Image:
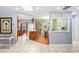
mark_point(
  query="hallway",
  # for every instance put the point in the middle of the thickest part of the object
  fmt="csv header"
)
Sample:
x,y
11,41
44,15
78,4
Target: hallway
x,y
28,46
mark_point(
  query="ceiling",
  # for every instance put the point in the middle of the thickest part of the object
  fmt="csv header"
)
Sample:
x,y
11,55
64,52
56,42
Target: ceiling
x,y
39,11
42,11
7,8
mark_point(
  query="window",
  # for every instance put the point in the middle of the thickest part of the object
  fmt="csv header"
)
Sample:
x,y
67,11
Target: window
x,y
60,24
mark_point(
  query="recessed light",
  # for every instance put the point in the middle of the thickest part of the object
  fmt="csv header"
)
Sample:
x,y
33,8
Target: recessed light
x,y
37,8
77,8
27,8
58,8
17,7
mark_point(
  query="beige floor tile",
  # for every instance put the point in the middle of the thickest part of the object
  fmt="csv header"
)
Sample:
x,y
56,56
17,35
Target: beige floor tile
x,y
28,46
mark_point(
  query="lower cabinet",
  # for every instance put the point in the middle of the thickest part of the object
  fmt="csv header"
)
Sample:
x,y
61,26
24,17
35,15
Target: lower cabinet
x,y
33,35
20,32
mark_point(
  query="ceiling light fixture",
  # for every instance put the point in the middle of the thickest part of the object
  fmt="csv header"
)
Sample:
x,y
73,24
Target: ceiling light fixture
x,y
27,8
77,8
37,8
58,8
17,7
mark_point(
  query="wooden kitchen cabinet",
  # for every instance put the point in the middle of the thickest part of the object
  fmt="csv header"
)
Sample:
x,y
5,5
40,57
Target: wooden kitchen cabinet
x,y
33,35
19,33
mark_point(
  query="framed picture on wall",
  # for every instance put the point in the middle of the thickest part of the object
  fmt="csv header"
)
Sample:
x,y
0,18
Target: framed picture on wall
x,y
6,25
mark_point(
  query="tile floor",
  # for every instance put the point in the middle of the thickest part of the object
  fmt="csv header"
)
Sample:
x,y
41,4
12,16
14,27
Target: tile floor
x,y
28,46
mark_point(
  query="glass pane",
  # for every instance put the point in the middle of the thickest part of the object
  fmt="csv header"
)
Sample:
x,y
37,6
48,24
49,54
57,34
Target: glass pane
x,y
54,24
60,24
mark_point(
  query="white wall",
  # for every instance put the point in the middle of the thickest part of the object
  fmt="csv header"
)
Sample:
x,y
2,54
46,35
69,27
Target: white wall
x,y
24,16
75,25
76,19
9,13
42,17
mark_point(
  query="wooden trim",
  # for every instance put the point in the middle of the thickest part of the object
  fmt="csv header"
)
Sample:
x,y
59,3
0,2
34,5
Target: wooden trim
x,y
11,24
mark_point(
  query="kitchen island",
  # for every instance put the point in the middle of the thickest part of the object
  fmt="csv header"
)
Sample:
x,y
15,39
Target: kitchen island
x,y
33,35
